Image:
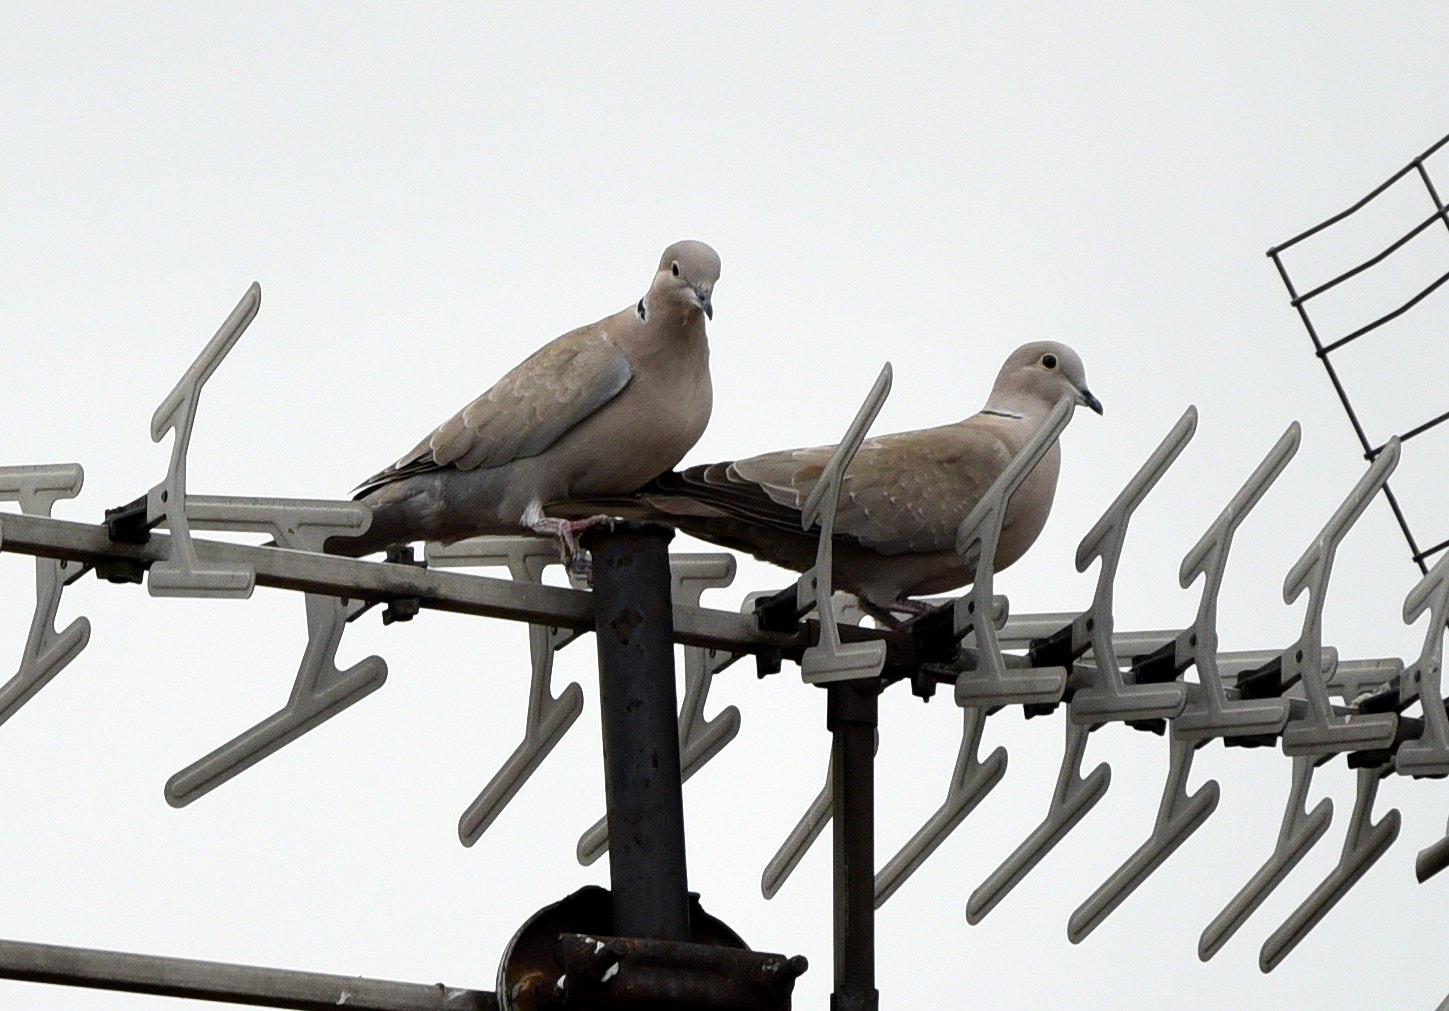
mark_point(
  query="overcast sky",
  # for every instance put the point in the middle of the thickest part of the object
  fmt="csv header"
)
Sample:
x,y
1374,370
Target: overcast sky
x,y
426,193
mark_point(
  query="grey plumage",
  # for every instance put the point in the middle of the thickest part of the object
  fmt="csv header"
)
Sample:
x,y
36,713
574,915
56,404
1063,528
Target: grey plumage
x,y
596,412
902,498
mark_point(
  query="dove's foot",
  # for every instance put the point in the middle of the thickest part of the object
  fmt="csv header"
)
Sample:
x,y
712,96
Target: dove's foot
x,y
571,553
882,614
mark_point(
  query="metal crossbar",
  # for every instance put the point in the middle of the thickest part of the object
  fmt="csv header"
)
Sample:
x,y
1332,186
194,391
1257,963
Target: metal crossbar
x,y
1326,345
1301,697
226,982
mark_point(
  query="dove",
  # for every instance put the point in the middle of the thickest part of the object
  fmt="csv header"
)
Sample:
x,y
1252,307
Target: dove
x,y
596,412
902,497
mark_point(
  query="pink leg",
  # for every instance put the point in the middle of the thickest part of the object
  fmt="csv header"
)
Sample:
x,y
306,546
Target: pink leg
x,y
883,614
567,532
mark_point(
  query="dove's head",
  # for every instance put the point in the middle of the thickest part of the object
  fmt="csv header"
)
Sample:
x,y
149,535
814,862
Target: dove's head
x,y
1039,374
685,279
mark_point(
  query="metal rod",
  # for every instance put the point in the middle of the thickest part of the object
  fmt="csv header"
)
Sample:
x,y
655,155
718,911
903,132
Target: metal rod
x,y
1371,261
225,982
1323,354
852,712
638,706
334,576
1356,207
1388,316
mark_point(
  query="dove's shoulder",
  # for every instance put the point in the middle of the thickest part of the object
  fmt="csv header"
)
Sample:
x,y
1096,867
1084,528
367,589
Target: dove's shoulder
x,y
908,491
526,411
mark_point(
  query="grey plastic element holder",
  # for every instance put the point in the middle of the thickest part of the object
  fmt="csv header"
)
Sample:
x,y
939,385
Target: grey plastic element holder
x,y
971,780
990,684
1073,796
1019,631
1105,696
700,739
1363,844
818,814
37,488
1299,831
321,690
182,575
1109,697
832,660
548,717
1178,816
1321,731
1210,713
1429,755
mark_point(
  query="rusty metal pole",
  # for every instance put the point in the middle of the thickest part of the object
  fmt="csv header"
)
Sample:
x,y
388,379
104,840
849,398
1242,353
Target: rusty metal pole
x,y
634,621
852,713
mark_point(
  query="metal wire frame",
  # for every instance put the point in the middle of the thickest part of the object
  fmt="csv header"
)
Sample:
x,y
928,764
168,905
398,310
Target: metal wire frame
x,y
1324,350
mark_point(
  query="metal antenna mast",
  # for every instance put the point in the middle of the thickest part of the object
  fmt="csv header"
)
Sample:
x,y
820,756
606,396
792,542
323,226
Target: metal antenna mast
x,y
646,941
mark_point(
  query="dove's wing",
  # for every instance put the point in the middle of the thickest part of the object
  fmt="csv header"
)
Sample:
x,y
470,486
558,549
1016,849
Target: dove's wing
x,y
902,493
526,411
902,497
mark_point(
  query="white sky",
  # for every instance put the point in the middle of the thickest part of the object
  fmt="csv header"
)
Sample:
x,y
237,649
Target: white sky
x,y
428,192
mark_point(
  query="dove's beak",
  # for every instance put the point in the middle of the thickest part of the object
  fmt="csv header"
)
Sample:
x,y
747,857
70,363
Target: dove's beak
x,y
1085,398
704,302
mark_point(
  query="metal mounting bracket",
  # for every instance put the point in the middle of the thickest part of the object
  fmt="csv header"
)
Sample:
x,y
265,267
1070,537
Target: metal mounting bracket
x,y
700,739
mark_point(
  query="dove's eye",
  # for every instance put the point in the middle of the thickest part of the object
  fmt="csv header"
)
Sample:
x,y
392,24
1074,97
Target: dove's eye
x,y
674,268
1049,361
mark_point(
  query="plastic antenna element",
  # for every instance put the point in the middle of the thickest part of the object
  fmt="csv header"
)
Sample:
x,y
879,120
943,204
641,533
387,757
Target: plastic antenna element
x,y
971,780
1105,696
700,739
321,690
1299,831
1428,755
1108,697
1362,846
548,717
818,814
1072,798
46,650
1178,816
831,660
990,684
182,575
1210,713
1322,732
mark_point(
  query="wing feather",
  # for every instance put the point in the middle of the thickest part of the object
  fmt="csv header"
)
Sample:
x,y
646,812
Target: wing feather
x,y
525,412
